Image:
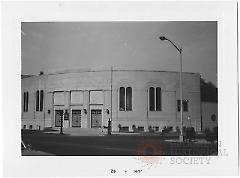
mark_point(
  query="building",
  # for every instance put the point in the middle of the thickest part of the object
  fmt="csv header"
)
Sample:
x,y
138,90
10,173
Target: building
x,y
90,98
209,115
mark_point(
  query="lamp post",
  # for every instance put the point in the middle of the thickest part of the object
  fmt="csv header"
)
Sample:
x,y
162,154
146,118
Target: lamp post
x,y
163,38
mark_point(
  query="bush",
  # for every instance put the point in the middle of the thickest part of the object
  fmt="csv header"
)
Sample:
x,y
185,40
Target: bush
x,y
134,128
167,129
189,133
211,136
178,129
120,127
150,128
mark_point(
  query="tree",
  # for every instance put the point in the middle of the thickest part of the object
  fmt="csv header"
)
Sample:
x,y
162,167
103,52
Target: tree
x,y
209,92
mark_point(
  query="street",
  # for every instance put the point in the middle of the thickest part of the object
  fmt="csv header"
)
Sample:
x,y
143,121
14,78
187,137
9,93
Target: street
x,y
114,145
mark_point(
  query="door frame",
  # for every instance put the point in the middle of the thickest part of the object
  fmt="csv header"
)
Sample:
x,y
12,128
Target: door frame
x,y
57,109
81,117
96,106
76,107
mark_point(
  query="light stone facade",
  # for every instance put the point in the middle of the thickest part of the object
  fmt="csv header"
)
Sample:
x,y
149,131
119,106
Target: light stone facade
x,y
85,92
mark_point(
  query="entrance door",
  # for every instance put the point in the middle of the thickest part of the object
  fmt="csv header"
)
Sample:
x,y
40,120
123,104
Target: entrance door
x,y
58,117
96,118
76,118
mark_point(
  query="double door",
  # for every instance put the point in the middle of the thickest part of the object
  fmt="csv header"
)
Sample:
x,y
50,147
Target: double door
x,y
58,117
96,118
76,118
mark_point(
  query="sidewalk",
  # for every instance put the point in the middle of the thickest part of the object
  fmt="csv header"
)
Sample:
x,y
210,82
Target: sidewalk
x,y
80,131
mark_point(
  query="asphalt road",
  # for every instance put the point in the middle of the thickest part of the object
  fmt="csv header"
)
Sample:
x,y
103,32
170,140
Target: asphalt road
x,y
64,145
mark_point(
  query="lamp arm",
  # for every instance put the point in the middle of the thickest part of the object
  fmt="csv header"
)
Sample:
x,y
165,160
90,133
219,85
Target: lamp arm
x,y
179,49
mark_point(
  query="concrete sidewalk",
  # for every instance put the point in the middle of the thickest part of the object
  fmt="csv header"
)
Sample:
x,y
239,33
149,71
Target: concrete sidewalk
x,y
80,131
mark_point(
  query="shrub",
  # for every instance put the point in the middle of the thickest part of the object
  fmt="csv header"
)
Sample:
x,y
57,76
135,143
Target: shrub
x,y
177,129
207,131
167,129
190,133
120,127
134,128
211,136
150,129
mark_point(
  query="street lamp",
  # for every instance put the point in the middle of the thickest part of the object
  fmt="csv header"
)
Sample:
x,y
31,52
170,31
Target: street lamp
x,y
163,38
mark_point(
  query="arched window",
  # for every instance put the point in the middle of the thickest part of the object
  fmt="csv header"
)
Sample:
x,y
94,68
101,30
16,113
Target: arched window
x,y
129,99
122,99
158,99
151,99
41,100
125,99
25,102
37,100
155,99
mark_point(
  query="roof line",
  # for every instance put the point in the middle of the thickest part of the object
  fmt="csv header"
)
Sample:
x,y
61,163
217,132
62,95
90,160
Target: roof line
x,y
108,70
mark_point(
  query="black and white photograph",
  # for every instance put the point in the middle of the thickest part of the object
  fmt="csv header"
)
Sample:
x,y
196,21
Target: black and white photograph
x,y
120,89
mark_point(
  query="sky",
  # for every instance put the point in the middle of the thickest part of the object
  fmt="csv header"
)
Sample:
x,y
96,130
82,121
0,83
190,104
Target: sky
x,y
50,46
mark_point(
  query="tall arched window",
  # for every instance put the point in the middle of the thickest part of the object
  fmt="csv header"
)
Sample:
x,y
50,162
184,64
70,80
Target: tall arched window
x,y
41,100
155,99
151,99
158,99
125,99
129,99
37,100
25,102
122,99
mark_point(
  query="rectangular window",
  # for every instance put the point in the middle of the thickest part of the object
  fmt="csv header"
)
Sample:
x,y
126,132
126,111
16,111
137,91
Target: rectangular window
x,y
41,100
37,100
58,98
185,105
96,97
141,129
77,97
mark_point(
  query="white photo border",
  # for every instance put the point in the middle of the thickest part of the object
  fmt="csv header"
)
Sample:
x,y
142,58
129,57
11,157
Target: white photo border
x,y
225,13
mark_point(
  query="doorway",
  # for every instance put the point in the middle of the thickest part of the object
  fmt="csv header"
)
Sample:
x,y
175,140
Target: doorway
x,y
76,118
96,118
58,117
